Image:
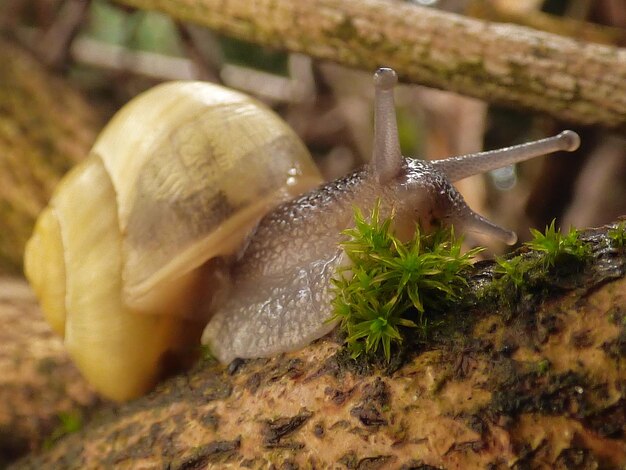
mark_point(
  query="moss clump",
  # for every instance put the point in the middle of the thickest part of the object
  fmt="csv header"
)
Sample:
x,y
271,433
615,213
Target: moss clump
x,y
617,235
557,247
391,284
69,423
205,353
529,272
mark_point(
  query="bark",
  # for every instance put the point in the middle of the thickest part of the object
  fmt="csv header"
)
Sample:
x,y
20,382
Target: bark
x,y
38,383
505,64
45,128
535,383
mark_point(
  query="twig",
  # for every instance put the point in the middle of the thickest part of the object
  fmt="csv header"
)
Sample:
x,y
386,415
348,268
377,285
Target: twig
x,y
55,41
150,64
505,64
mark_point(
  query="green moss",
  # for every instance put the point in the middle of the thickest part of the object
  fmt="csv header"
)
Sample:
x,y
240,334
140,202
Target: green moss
x,y
514,269
391,285
556,247
617,235
529,272
543,366
69,423
205,353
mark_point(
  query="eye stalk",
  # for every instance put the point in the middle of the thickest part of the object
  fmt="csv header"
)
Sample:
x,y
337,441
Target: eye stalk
x,y
457,168
571,140
388,164
387,160
385,78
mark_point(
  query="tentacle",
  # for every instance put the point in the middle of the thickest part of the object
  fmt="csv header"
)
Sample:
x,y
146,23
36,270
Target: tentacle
x,y
457,168
471,221
387,160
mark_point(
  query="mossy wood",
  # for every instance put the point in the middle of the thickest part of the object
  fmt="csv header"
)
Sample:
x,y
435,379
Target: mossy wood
x,y
538,381
584,83
45,128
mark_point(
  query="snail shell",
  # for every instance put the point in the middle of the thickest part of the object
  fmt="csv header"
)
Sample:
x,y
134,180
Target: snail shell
x,y
178,177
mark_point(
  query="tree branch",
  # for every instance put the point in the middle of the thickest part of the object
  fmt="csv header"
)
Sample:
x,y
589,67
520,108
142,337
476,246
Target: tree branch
x,y
45,128
541,384
38,382
505,64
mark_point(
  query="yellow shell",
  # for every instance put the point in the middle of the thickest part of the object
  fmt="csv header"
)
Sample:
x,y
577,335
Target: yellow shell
x,y
179,176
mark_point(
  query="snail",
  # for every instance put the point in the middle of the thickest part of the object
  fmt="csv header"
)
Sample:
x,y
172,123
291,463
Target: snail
x,y
178,177
198,206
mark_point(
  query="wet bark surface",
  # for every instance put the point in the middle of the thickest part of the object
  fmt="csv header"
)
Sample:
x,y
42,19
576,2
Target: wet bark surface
x,y
39,386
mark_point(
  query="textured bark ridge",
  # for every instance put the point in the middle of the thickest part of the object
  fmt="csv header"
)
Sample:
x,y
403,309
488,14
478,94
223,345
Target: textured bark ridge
x,y
38,383
537,384
581,82
45,128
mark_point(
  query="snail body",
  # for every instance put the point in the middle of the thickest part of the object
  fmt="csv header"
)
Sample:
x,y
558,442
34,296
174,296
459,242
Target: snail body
x,y
257,269
283,278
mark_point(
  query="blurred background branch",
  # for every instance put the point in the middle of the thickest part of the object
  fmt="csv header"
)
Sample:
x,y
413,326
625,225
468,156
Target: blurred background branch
x,y
505,64
45,128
